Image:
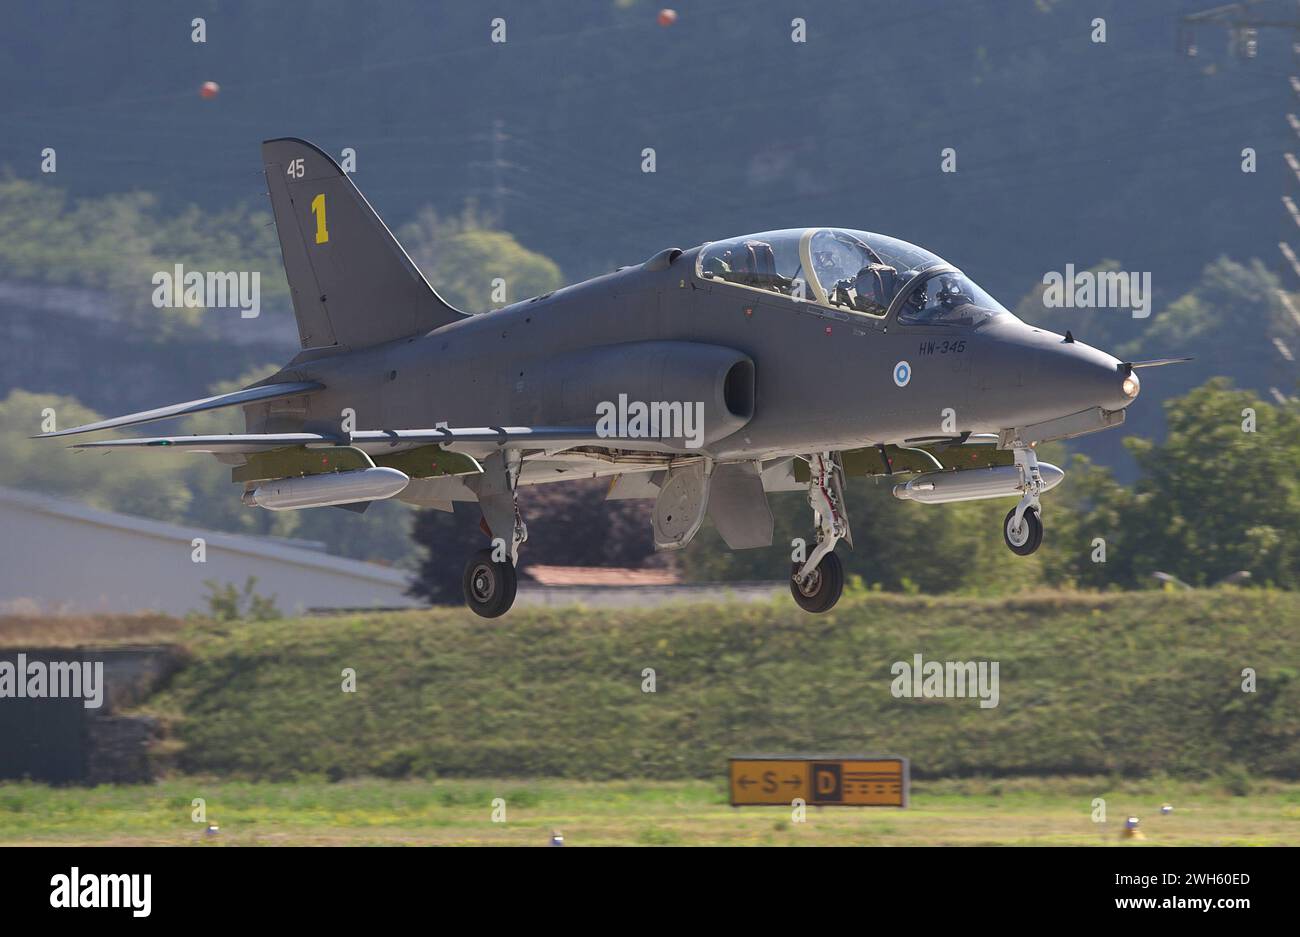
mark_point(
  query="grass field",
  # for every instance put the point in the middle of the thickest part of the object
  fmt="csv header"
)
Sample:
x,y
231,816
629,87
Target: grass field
x,y
660,813
1136,698
1124,684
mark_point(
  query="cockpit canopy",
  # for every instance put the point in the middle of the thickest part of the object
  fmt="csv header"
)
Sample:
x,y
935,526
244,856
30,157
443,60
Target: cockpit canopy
x,y
855,271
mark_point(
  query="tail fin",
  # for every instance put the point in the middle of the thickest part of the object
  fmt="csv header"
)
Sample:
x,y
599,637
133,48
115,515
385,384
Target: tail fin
x,y
352,283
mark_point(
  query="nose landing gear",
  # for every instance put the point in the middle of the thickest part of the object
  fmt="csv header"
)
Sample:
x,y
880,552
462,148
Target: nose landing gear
x,y
1023,527
818,582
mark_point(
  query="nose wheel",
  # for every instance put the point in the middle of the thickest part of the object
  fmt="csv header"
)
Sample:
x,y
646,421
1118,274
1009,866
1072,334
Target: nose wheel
x,y
489,586
1024,536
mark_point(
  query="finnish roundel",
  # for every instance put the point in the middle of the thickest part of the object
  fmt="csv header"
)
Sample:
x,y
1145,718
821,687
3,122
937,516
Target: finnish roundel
x,y
902,373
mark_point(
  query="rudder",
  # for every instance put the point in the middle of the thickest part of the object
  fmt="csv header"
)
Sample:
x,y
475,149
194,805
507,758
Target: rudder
x,y
352,283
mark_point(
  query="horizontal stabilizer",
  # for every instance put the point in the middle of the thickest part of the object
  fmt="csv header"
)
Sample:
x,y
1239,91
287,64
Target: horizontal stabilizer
x,y
234,399
539,437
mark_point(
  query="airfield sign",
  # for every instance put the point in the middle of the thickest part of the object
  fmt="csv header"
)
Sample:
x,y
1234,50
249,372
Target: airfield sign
x,y
855,781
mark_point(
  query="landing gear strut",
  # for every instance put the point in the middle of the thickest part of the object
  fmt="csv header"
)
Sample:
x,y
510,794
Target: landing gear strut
x,y
490,582
1023,527
818,582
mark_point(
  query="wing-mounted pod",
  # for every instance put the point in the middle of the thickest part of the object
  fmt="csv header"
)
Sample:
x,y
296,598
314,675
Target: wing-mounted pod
x,y
964,469
685,394
1002,481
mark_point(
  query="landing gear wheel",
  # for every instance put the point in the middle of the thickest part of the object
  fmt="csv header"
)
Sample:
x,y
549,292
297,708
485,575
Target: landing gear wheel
x,y
489,586
1025,539
823,588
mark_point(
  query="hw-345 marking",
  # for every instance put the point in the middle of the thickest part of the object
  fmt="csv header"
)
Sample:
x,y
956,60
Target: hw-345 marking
x,y
932,347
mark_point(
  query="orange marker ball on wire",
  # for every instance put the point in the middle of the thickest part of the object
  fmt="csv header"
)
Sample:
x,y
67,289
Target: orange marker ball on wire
x,y
667,16
209,90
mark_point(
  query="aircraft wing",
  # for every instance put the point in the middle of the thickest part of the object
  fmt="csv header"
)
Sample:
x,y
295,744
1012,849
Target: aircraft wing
x,y
537,437
233,399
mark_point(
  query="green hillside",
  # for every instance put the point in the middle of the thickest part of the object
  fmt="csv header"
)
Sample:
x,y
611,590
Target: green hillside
x,y
1118,684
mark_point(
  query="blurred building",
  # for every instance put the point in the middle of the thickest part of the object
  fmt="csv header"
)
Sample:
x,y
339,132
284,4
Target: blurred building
x,y
61,557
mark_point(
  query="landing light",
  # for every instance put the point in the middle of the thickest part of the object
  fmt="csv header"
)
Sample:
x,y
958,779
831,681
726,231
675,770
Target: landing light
x,y
1131,386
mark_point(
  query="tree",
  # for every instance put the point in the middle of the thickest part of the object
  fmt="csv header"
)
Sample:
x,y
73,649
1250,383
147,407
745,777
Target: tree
x,y
1214,499
118,242
462,258
133,482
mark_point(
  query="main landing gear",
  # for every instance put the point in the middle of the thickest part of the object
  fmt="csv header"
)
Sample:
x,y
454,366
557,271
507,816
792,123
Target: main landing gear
x,y
818,582
821,589
1023,527
489,586
490,581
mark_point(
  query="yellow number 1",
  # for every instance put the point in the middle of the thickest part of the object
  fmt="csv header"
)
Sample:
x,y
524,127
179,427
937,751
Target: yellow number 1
x,y
318,209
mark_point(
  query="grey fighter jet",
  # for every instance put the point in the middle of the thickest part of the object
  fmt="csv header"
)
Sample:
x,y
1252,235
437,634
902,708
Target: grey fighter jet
x,y
701,379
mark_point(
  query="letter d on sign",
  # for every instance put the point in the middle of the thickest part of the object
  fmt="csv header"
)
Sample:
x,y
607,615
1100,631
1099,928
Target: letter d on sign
x,y
826,783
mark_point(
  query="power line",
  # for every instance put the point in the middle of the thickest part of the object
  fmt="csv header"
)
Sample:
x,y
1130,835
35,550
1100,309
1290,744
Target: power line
x,y
1243,20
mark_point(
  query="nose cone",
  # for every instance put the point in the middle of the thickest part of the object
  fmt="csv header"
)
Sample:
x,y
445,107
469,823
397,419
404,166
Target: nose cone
x,y
1080,376
1055,376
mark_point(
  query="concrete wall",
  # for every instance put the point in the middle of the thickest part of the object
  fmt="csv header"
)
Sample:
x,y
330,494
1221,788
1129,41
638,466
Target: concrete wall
x,y
61,741
59,557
